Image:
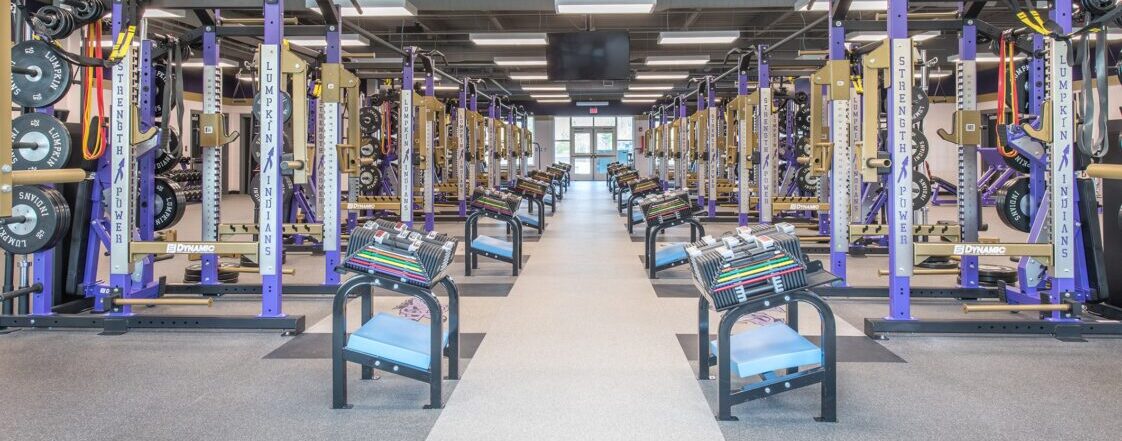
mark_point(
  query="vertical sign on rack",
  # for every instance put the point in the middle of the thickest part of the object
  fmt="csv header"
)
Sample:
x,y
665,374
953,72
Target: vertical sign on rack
x,y
427,174
901,255
768,149
711,153
1062,160
461,149
839,189
121,218
405,138
269,213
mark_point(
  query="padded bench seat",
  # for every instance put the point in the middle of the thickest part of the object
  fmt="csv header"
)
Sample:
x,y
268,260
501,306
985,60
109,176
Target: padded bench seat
x,y
527,219
636,216
499,247
399,339
769,348
670,253
548,199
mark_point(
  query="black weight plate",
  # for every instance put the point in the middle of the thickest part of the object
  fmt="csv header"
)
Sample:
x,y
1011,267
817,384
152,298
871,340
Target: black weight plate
x,y
921,191
369,178
801,98
167,158
806,182
168,204
49,134
937,262
921,103
1020,162
1012,202
366,150
255,188
997,273
193,273
802,146
88,10
51,77
369,119
159,84
286,106
47,218
920,148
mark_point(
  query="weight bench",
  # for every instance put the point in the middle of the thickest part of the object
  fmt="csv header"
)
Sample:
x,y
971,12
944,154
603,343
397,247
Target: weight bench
x,y
395,344
670,256
529,219
488,246
777,354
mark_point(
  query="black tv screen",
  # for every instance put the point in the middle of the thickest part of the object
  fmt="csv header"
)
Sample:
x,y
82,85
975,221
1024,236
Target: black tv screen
x,y
600,55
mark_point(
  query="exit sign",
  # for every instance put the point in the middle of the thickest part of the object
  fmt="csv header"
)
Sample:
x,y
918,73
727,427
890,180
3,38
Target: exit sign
x,y
593,110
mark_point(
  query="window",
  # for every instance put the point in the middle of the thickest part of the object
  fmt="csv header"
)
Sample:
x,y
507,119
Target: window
x,y
582,121
604,121
626,128
561,128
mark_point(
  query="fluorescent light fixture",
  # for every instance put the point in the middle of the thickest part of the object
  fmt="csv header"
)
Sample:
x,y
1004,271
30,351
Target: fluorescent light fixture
x,y
810,57
677,60
445,88
637,101
1112,36
566,101
199,63
508,38
650,87
528,76
698,37
935,74
641,95
520,61
584,7
344,40
370,8
661,76
543,88
245,76
421,78
869,36
983,58
549,96
856,5
164,13
592,103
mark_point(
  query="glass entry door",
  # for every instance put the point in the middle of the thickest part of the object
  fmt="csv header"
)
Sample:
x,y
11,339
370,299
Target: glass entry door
x,y
593,149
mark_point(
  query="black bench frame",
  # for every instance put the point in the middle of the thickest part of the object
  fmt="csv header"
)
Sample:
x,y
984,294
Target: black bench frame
x,y
649,249
433,375
471,231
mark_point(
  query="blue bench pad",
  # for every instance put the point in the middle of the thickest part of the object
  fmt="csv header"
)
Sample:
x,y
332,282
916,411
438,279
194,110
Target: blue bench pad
x,y
528,219
491,245
769,348
670,253
399,339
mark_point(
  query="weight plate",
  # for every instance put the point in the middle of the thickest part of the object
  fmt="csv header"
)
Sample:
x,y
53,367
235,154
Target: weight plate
x,y
920,148
921,103
807,183
369,119
1020,162
286,106
193,273
937,262
255,188
169,203
997,273
369,178
366,150
801,98
802,146
46,219
88,10
167,158
1012,202
921,190
52,140
159,82
54,22
50,77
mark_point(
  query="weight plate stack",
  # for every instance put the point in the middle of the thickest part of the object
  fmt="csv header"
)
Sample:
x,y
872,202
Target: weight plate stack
x,y
46,219
48,79
993,275
1012,203
193,273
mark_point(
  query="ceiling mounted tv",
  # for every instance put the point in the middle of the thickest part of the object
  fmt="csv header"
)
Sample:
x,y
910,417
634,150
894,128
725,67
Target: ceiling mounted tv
x,y
599,55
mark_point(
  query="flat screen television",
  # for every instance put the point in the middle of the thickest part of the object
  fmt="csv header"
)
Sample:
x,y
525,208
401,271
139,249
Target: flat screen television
x,y
597,55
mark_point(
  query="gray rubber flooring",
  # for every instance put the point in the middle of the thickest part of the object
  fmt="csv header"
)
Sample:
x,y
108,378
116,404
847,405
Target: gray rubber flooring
x,y
581,346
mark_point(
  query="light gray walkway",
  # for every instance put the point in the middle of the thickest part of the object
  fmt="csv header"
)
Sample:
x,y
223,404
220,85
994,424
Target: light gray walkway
x,y
581,349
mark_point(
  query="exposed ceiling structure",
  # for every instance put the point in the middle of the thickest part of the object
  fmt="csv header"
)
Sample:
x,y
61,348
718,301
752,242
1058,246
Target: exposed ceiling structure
x,y
446,25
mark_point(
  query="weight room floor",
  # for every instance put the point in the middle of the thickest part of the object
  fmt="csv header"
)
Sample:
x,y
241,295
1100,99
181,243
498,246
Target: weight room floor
x,y
581,346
